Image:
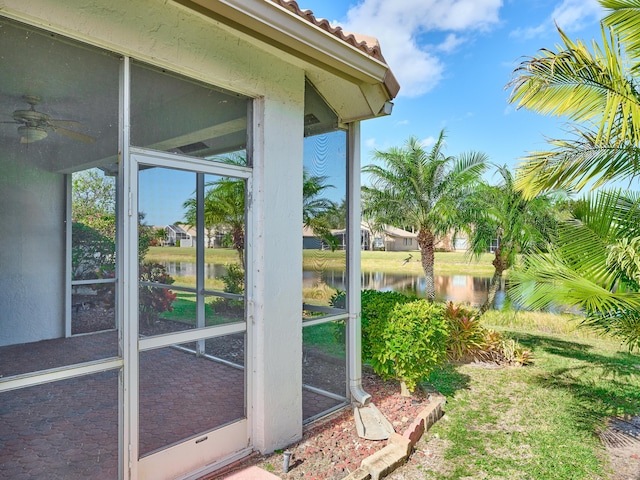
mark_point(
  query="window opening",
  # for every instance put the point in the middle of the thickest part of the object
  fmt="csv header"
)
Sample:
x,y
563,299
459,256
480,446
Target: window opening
x,y
175,114
324,273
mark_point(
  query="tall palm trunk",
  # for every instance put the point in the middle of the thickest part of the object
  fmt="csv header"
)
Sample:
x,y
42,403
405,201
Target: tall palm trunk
x,y
500,265
426,241
237,234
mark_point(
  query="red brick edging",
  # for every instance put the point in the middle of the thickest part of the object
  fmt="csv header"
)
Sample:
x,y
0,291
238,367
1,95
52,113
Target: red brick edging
x,y
399,447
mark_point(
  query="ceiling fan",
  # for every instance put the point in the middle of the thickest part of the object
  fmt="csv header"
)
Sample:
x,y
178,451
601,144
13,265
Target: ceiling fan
x,y
35,126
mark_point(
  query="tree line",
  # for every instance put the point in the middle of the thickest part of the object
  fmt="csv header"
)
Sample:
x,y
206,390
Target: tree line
x,y
580,253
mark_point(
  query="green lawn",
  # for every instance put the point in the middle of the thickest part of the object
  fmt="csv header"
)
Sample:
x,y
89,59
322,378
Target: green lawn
x,y
539,421
327,337
184,310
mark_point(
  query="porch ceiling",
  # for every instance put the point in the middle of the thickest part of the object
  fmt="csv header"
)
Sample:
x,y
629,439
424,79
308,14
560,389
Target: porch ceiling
x,y
39,67
351,74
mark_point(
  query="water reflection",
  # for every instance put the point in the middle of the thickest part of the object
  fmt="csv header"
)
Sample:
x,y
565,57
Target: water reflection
x,y
457,288
187,269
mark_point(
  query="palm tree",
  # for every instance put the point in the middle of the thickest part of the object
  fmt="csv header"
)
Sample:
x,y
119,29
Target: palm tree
x,y
316,208
501,213
223,208
595,88
594,266
421,189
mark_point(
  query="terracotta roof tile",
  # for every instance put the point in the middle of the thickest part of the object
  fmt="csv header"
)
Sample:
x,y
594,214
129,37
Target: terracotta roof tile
x,y
364,43
368,45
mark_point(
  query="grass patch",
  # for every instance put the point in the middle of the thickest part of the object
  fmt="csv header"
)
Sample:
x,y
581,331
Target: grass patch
x,y
184,311
450,263
319,294
564,324
188,255
323,337
538,421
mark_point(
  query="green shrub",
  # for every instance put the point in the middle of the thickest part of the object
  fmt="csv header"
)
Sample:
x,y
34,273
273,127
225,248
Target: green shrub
x,y
92,253
411,343
376,307
339,300
233,281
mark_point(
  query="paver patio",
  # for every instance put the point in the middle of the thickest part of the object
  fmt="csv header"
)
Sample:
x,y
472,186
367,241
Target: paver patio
x,y
69,429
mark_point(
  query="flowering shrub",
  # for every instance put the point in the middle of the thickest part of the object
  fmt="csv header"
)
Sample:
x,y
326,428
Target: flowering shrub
x,y
154,300
466,334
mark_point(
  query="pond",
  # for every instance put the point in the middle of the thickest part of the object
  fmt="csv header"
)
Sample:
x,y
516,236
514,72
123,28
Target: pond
x,y
457,288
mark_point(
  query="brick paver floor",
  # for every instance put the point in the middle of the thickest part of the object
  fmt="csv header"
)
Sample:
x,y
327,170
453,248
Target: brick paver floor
x,y
69,429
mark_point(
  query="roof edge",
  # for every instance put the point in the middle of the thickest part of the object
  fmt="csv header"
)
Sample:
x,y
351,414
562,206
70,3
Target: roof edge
x,y
284,25
367,44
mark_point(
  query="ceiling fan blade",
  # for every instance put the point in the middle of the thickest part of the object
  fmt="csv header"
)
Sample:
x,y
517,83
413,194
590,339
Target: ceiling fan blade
x,y
74,135
64,123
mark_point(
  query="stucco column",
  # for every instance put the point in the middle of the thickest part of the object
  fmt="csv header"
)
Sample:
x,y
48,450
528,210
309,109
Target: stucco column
x,y
276,326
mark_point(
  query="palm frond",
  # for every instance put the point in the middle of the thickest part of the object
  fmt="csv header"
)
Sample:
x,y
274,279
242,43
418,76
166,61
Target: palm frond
x,y
593,266
583,85
577,163
547,281
624,18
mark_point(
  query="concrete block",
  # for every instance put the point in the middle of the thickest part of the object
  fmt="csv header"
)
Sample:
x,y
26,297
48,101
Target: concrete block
x,y
359,474
431,414
401,441
371,423
384,461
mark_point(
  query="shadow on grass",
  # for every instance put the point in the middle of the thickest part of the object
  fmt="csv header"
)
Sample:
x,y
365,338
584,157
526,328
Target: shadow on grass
x,y
602,386
620,364
448,380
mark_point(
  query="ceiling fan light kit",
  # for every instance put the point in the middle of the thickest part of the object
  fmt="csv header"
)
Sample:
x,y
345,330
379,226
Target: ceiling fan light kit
x,y
34,125
31,134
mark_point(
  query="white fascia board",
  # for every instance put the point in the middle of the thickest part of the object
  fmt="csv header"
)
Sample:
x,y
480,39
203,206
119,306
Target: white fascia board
x,y
279,27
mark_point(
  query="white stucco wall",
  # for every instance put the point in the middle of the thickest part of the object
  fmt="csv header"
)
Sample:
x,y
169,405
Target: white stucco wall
x,y
32,253
278,326
167,35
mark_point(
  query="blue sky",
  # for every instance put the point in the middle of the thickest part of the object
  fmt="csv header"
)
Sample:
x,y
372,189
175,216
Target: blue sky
x,y
453,59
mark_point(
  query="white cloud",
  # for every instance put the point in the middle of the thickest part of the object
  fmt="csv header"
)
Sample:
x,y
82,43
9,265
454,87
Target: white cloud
x,y
370,143
399,24
569,15
573,15
427,142
451,43
531,32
